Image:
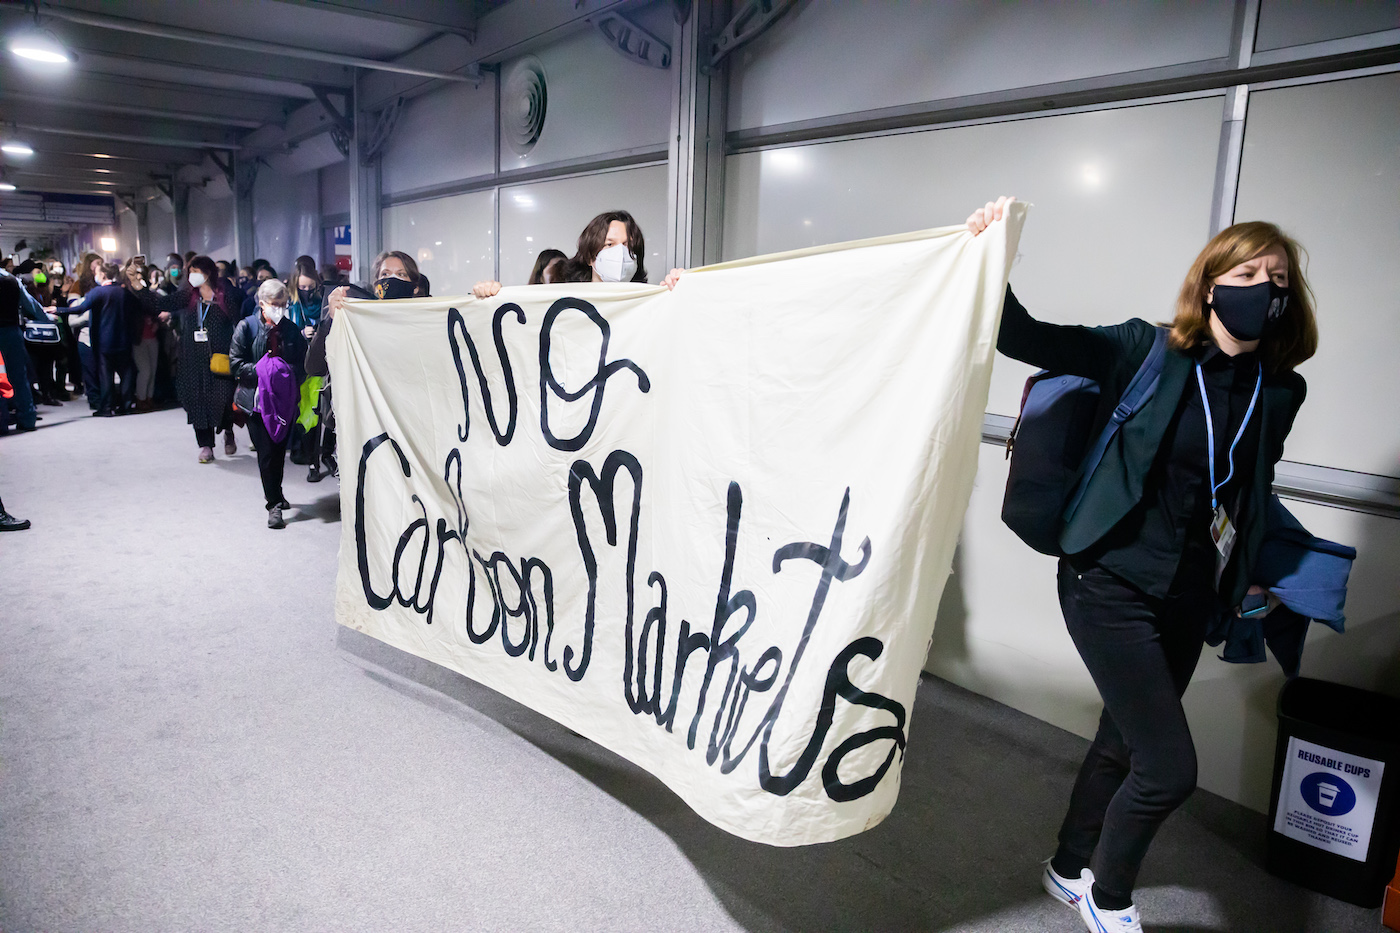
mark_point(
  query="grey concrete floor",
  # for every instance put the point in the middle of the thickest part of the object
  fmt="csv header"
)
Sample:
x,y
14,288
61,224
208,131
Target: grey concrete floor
x,y
189,742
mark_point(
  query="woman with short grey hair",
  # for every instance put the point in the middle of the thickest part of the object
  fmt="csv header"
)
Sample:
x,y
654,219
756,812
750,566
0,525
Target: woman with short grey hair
x,y
268,391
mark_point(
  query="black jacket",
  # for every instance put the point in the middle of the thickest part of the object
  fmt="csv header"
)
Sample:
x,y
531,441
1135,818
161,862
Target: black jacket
x,y
316,353
250,345
1111,356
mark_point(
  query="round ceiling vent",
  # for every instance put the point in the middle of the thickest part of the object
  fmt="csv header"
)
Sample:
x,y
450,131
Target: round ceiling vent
x,y
524,96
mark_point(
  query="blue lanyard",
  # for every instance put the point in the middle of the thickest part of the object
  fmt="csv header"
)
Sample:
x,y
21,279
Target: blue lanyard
x,y
1210,432
204,307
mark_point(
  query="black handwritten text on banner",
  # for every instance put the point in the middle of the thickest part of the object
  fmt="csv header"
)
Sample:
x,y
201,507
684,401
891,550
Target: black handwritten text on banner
x,y
706,528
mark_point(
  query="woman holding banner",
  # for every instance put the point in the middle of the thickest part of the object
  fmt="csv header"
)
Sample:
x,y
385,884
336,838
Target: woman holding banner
x,y
1137,599
610,249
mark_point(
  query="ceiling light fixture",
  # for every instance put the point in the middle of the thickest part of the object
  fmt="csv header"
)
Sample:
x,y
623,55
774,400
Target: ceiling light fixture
x,y
40,45
17,149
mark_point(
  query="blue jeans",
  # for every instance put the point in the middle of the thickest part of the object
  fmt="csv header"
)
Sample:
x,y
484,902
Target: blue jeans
x,y
17,370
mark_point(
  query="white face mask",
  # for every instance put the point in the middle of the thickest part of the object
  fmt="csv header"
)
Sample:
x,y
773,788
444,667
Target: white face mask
x,y
197,279
615,264
274,314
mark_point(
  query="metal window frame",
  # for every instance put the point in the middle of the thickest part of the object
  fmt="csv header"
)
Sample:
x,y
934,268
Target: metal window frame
x,y
1233,78
1371,493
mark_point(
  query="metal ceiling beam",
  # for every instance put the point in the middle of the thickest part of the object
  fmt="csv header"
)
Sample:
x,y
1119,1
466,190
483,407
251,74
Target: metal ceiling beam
x,y
505,32
455,16
84,103
112,152
256,46
212,74
52,161
182,143
131,90
104,181
129,53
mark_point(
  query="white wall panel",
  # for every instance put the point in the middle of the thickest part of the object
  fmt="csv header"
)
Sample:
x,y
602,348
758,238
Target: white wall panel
x,y
1297,22
1323,162
551,214
160,233
1121,204
441,137
1000,633
598,102
829,57
286,218
127,239
451,238
211,226
334,181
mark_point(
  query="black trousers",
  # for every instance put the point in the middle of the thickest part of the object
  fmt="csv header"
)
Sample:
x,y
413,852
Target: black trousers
x,y
1141,652
109,367
272,459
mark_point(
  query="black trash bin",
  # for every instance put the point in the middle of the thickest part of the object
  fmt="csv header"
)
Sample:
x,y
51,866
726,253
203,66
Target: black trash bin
x,y
1334,815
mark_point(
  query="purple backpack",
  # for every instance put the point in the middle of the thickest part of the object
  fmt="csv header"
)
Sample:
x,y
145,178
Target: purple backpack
x,y
277,396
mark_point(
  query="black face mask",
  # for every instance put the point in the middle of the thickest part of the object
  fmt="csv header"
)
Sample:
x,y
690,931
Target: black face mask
x,y
1249,312
390,287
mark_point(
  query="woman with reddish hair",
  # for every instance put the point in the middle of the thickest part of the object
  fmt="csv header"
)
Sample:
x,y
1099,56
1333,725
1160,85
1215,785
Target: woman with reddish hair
x,y
1167,531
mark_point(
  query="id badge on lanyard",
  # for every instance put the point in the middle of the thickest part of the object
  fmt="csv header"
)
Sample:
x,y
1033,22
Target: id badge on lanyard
x,y
1222,529
202,335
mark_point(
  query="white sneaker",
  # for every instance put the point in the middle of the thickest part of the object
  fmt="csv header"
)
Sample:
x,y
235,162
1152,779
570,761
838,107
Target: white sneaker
x,y
1068,891
1100,920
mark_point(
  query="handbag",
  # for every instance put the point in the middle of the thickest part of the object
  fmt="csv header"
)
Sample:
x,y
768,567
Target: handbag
x,y
218,364
36,332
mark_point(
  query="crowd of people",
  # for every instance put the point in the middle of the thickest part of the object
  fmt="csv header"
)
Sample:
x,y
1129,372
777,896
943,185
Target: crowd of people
x,y
1157,565
230,345
136,336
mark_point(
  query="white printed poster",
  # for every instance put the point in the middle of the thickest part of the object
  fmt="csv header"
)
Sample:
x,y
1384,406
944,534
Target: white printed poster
x,y
1328,799
706,528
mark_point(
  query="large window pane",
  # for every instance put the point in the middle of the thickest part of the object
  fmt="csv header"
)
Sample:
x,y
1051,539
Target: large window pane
x,y
1323,161
451,238
1121,204
551,214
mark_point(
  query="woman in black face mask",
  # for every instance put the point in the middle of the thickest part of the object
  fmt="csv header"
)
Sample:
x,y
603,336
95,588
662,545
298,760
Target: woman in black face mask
x,y
395,276
1167,531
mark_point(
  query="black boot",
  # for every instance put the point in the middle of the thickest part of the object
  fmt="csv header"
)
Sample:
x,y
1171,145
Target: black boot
x,y
9,523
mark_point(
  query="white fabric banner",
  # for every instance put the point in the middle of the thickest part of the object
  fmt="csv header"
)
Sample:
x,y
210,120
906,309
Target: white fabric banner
x,y
707,529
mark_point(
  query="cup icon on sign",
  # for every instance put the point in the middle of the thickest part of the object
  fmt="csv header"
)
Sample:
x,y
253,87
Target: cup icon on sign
x,y
1327,794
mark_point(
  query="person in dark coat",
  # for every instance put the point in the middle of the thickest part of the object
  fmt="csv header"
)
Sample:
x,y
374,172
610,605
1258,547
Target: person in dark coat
x,y
110,335
268,332
1169,530
207,309
16,306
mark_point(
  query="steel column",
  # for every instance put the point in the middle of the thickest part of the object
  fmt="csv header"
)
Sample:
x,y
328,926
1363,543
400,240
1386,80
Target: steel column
x,y
180,206
366,229
244,176
695,208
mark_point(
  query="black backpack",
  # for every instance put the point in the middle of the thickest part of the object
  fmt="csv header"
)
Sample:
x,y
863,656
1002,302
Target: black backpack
x,y
1051,459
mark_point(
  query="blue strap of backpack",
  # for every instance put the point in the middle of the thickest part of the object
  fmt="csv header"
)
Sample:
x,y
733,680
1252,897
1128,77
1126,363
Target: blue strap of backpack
x,y
1139,390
